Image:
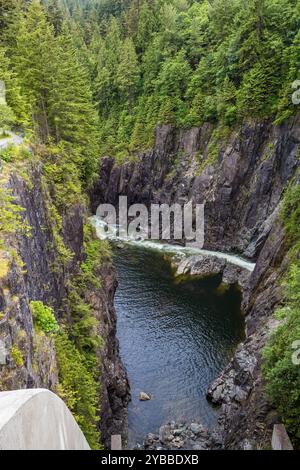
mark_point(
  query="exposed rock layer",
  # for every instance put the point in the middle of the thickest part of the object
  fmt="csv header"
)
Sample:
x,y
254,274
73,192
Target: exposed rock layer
x,y
205,266
45,277
242,191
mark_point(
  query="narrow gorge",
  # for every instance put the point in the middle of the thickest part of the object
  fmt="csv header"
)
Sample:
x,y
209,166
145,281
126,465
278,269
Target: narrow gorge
x,y
33,268
243,191
151,344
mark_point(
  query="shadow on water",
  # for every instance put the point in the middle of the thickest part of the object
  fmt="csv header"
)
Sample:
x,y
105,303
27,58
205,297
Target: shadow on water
x,y
174,340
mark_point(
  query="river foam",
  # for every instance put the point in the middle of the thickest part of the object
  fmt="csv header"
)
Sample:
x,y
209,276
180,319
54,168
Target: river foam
x,y
113,233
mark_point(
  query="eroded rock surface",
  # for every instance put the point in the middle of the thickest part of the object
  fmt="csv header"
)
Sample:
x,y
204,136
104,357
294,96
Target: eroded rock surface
x,y
205,267
242,191
174,436
27,358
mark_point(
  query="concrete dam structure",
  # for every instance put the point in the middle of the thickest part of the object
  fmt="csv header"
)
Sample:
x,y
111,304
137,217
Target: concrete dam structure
x,y
37,419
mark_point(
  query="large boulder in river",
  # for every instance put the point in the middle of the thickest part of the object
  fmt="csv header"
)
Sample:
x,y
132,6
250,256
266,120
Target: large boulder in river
x,y
201,265
143,396
207,266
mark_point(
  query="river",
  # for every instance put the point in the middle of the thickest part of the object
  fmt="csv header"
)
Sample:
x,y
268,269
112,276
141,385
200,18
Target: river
x,y
174,339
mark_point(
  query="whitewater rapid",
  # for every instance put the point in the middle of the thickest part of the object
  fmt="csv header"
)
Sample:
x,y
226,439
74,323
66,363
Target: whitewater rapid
x,y
114,233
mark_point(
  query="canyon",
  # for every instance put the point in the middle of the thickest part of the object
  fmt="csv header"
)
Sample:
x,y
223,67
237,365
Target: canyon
x,y
242,190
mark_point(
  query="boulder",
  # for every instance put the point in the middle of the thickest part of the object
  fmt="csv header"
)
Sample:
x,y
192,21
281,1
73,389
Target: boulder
x,y
143,396
165,434
201,265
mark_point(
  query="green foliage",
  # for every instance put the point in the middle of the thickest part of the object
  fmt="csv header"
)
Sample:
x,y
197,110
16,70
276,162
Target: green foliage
x,y
43,317
85,77
84,326
7,118
55,89
17,356
217,141
186,63
7,154
96,252
291,213
78,344
47,64
9,12
72,116
11,220
128,72
78,387
17,112
65,256
143,62
281,373
62,176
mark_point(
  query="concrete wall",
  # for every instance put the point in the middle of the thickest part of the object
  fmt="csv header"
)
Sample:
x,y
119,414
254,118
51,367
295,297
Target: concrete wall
x,y
280,438
37,420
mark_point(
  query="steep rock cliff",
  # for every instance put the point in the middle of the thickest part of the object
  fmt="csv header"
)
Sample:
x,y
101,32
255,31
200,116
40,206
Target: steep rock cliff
x,y
242,188
27,358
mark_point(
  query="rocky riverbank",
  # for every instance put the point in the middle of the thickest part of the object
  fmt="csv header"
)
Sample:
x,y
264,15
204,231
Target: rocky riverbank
x,y
246,418
180,436
210,267
242,190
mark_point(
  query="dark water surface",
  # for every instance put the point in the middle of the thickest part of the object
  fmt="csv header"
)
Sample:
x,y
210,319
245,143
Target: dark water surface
x,y
174,340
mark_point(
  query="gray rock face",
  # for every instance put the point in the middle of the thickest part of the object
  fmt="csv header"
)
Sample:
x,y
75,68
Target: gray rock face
x,y
27,360
174,436
198,429
246,416
114,382
234,382
204,267
242,193
30,360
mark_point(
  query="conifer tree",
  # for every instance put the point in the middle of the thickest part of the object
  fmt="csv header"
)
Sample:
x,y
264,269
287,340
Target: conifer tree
x,y
226,102
106,83
55,14
9,10
128,72
71,111
12,90
34,61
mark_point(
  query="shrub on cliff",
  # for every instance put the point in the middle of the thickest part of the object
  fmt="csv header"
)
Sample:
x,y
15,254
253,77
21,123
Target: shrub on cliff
x,y
78,388
281,366
11,220
7,118
78,345
43,317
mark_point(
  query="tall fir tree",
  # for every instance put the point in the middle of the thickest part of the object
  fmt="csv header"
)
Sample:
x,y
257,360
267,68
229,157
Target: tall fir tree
x,y
128,72
13,91
35,41
71,110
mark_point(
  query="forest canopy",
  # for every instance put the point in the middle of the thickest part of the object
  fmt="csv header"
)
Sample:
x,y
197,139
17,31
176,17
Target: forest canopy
x,y
136,63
